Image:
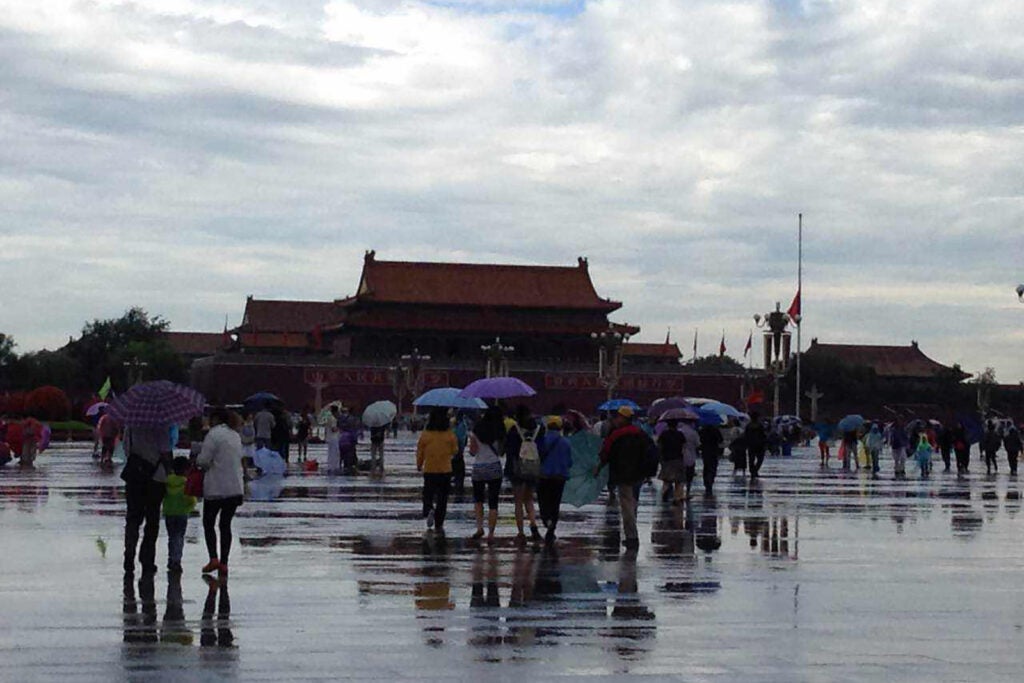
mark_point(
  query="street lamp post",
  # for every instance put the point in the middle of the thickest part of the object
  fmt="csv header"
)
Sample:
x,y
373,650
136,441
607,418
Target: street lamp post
x,y
497,354
407,377
135,369
609,358
776,346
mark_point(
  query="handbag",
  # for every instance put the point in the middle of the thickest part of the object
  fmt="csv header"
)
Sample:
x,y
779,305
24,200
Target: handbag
x,y
194,482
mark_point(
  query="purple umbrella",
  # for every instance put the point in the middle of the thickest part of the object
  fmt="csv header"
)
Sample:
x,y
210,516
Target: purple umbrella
x,y
498,387
156,403
686,414
663,405
95,408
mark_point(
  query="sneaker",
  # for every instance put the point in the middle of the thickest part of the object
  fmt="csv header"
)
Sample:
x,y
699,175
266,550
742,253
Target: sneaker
x,y
211,566
430,519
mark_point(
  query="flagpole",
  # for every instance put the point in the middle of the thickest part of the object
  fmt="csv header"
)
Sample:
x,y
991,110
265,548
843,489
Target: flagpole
x,y
800,293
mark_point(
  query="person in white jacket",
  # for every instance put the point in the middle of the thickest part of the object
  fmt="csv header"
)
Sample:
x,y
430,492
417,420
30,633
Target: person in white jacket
x,y
223,487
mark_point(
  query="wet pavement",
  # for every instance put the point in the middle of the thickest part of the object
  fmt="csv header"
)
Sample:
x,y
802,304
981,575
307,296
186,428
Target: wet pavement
x,y
804,576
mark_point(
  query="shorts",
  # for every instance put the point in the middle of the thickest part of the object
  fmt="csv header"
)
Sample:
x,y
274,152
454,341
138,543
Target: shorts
x,y
487,491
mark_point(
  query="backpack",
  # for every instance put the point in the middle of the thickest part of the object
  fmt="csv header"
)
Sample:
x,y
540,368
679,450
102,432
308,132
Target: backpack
x,y
528,465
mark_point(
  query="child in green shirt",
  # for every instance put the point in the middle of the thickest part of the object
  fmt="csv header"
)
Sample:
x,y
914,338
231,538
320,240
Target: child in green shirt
x,y
177,508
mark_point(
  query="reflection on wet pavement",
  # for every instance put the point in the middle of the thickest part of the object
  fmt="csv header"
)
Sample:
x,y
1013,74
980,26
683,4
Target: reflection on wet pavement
x,y
805,575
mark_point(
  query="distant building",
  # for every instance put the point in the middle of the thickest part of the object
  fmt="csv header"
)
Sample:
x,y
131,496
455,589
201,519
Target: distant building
x,y
194,345
887,362
351,348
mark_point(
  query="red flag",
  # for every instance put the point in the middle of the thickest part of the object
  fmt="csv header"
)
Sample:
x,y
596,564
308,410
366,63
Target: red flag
x,y
794,308
721,347
750,345
756,396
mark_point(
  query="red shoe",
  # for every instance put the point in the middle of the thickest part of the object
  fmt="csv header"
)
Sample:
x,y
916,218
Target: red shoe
x,y
212,566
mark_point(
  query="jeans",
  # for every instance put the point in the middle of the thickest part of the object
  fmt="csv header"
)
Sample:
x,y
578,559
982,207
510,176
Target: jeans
x,y
549,498
875,455
225,507
899,457
435,496
627,510
377,456
1011,457
176,527
991,462
143,498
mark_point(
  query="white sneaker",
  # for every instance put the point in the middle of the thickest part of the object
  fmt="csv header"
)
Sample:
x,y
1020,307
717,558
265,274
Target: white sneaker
x,y
430,519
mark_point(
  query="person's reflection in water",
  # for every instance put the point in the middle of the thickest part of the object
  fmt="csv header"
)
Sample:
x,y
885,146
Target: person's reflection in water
x,y
434,594
485,630
1012,500
522,594
174,629
611,535
547,588
216,630
140,625
708,539
630,611
671,532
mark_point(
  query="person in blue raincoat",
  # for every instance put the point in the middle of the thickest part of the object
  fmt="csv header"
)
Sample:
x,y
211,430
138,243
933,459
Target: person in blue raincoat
x,y
923,455
555,461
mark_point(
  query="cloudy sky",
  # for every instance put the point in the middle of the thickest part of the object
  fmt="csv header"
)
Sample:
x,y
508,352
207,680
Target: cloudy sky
x,y
180,154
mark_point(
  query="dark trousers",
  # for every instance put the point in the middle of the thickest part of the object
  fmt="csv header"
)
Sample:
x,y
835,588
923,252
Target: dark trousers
x,y
435,496
710,471
946,452
963,459
549,498
755,458
459,473
176,527
143,498
990,461
1011,457
225,508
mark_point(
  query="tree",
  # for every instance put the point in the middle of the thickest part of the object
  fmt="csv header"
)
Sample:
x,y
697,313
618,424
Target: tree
x,y
48,403
984,383
715,365
7,354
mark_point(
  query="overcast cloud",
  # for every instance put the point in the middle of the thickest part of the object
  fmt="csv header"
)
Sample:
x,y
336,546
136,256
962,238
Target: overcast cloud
x,y
180,154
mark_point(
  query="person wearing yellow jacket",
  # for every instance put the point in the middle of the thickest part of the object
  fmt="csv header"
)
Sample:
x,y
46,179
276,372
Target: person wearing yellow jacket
x,y
434,452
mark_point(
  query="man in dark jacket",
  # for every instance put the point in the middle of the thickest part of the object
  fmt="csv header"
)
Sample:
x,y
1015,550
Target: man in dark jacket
x,y
710,452
625,452
1012,444
756,440
991,443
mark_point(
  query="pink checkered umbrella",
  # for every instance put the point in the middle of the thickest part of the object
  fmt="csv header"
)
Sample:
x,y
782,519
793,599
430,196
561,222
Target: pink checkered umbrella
x,y
156,403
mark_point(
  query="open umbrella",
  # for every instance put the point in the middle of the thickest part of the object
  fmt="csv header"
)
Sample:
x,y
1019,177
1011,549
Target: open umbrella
x,y
498,387
663,405
269,462
448,397
723,409
379,414
711,417
156,403
95,408
262,399
685,414
850,423
616,403
583,487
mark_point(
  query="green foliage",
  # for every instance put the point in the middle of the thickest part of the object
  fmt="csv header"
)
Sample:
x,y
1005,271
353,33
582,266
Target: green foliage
x,y
7,354
715,365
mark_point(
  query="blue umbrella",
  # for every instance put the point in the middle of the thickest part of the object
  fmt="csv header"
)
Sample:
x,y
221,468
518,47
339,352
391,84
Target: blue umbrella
x,y
262,399
616,403
723,409
448,397
850,423
710,417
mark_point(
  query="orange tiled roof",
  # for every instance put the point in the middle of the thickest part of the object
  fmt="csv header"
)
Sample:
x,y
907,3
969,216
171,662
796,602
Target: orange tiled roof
x,y
195,343
662,350
886,361
468,284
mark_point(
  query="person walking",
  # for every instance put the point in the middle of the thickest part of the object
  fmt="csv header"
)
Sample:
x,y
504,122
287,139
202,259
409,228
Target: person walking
x,y
281,433
945,439
1012,444
264,422
990,444
522,469
962,449
824,432
145,481
738,454
485,443
710,451
923,454
177,508
435,449
873,443
303,432
107,429
670,451
849,453
556,461
756,441
690,450
625,454
223,488
332,436
377,435
899,443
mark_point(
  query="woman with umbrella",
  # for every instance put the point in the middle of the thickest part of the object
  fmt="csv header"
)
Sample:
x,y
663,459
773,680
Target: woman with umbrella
x,y
485,443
